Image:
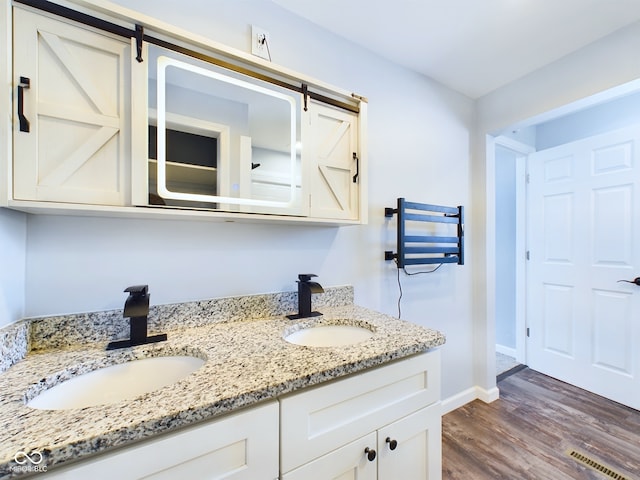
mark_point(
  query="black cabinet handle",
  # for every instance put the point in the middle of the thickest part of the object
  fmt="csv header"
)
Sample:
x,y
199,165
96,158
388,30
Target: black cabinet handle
x,y
393,444
25,83
139,39
371,454
635,280
355,177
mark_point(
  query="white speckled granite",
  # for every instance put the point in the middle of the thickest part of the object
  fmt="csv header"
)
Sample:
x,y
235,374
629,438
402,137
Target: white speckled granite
x,y
80,329
14,344
247,361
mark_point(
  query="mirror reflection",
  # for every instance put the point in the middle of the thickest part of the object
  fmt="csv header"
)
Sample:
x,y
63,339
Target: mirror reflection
x,y
221,140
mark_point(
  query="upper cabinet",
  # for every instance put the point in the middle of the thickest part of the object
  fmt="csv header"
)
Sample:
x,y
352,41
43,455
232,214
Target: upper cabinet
x,y
153,122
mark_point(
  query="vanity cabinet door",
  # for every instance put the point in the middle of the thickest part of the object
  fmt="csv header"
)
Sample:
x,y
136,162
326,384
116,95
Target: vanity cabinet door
x,y
349,462
331,152
71,132
411,448
238,446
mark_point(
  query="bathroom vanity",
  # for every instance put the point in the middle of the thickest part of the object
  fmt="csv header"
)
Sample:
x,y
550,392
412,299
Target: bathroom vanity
x,y
372,425
369,409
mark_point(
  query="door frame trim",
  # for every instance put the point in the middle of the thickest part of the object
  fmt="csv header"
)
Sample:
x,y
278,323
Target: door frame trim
x,y
522,151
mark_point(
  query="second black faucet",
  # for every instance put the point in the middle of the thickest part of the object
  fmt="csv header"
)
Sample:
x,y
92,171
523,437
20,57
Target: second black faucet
x,y
305,288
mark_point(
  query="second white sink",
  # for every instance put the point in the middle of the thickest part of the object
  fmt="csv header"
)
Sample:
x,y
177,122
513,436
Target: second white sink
x,y
329,336
117,382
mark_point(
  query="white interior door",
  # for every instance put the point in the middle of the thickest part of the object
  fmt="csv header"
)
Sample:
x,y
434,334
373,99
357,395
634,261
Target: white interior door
x,y
583,234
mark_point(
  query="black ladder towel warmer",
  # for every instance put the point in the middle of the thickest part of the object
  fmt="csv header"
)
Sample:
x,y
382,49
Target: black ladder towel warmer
x,y
417,249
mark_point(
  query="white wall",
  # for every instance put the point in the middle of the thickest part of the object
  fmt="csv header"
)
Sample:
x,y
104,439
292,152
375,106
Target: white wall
x,y
605,64
419,148
13,236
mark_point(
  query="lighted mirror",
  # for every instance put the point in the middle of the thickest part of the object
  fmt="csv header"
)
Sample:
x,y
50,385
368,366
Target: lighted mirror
x,y
219,139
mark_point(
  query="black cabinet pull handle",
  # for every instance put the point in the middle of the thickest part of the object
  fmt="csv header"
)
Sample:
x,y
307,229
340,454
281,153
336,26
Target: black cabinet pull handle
x,y
371,454
635,280
355,177
393,444
25,83
139,39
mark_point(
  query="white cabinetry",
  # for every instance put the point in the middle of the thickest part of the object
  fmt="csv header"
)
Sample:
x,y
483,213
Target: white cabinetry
x,y
336,428
346,463
239,446
417,453
384,423
284,147
408,449
72,131
81,112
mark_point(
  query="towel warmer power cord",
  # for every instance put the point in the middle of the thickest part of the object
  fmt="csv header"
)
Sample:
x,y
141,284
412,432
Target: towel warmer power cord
x,y
404,269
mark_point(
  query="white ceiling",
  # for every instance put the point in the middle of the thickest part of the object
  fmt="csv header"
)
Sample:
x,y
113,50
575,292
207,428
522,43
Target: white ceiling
x,y
472,46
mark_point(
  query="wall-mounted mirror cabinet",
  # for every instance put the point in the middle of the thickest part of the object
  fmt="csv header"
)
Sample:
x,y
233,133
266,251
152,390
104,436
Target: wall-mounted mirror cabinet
x,y
218,139
114,119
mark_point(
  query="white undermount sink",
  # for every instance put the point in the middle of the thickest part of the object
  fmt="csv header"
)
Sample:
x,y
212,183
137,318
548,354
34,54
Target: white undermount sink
x,y
117,382
329,335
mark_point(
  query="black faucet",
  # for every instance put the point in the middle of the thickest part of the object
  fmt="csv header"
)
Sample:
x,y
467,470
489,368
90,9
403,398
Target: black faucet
x,y
136,307
305,289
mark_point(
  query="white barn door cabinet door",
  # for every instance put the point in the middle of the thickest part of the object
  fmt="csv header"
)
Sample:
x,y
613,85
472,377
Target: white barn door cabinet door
x,y
77,146
332,152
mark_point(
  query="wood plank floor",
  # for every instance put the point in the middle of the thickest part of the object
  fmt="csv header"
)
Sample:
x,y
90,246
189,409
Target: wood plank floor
x,y
525,434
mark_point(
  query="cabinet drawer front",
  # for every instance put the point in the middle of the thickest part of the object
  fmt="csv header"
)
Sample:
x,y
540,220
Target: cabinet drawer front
x,y
242,445
321,419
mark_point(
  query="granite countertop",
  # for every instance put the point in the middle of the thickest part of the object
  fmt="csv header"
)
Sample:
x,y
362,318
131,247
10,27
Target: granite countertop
x,y
247,361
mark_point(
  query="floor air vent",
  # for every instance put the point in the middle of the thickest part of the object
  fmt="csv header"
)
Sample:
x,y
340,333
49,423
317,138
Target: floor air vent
x,y
591,463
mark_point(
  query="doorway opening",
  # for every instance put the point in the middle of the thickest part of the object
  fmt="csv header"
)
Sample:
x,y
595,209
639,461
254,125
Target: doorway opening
x,y
510,234
509,150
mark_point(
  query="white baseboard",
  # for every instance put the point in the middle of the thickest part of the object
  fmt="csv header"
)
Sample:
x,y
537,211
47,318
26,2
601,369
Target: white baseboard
x,y
506,350
469,395
458,400
488,396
